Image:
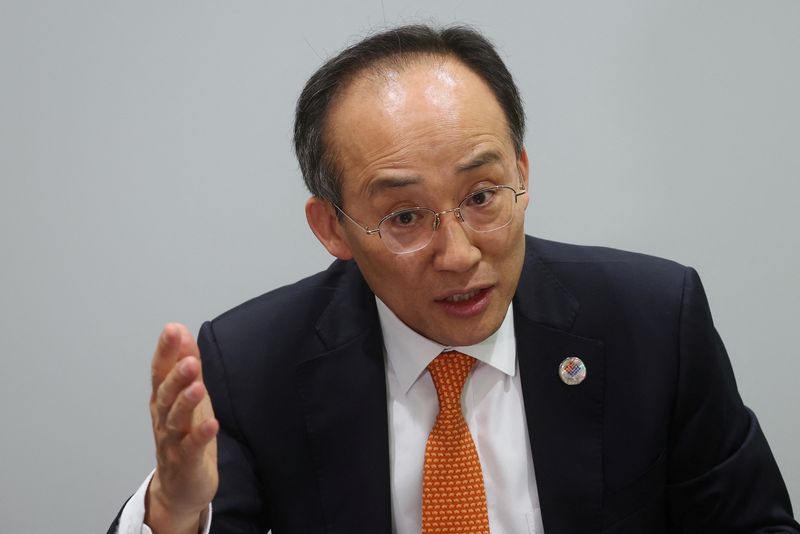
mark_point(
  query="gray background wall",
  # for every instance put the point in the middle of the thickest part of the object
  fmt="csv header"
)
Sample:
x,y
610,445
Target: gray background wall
x,y
145,157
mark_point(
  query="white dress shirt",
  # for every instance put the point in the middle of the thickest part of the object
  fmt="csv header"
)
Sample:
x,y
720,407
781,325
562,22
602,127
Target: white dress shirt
x,y
493,408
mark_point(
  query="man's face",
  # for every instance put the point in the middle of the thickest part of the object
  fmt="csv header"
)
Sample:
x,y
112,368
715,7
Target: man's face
x,y
428,135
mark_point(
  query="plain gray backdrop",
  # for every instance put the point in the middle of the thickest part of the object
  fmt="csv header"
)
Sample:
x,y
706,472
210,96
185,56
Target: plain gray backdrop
x,y
145,158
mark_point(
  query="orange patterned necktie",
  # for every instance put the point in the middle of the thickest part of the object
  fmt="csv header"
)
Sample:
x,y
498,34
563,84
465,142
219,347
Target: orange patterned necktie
x,y
453,495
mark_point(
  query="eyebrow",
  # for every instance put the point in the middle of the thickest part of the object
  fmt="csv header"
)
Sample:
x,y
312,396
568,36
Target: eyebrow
x,y
483,158
390,182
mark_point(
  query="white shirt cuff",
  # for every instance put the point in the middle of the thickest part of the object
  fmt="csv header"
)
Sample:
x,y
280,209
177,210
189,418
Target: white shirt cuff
x,y
131,520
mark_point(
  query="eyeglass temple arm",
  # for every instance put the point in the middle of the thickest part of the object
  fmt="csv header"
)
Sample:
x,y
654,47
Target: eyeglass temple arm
x,y
369,231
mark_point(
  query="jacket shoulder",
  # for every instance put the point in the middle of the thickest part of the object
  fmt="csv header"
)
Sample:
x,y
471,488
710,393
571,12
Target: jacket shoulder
x,y
283,323
580,265
300,301
554,252
613,287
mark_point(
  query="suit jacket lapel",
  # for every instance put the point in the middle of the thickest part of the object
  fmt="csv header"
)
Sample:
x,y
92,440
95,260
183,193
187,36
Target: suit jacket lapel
x,y
343,390
565,423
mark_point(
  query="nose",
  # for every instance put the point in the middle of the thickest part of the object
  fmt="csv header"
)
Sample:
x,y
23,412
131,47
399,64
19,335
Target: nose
x,y
453,249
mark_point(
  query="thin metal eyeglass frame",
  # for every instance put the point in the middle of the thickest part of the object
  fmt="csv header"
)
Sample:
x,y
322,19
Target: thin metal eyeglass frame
x,y
436,216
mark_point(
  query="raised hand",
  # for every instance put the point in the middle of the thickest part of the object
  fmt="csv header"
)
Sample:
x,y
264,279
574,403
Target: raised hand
x,y
185,432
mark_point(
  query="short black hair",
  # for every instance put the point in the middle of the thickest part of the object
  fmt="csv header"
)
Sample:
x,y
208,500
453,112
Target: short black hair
x,y
405,43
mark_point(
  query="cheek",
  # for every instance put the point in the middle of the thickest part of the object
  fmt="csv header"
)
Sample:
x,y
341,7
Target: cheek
x,y
502,245
506,256
409,283
395,275
408,270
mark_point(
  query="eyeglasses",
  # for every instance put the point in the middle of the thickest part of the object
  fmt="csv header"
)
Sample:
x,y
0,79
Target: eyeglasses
x,y
411,229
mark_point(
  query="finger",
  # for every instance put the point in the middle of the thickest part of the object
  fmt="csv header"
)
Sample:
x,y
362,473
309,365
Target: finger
x,y
201,435
184,373
187,345
181,415
166,354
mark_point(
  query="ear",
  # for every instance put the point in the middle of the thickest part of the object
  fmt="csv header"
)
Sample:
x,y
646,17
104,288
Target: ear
x,y
321,217
524,168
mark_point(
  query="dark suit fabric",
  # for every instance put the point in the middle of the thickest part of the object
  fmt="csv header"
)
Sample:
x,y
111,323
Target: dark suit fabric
x,y
656,439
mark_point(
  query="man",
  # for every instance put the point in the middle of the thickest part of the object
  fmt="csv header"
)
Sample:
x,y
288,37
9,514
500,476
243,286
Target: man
x,y
598,395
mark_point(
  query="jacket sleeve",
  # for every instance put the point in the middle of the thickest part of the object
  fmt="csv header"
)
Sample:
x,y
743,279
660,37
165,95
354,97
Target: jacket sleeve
x,y
239,505
722,474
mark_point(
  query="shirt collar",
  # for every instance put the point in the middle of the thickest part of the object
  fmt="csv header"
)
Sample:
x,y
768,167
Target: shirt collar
x,y
409,353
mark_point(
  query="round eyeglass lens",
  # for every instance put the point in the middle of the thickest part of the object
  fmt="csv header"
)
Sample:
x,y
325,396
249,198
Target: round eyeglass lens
x,y
488,209
407,230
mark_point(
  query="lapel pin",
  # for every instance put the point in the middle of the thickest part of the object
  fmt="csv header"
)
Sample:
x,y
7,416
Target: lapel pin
x,y
572,371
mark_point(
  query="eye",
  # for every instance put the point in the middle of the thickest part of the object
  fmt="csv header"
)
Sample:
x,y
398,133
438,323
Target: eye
x,y
404,219
480,198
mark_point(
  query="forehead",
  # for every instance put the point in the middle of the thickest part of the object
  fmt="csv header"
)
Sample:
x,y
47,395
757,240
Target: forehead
x,y
427,116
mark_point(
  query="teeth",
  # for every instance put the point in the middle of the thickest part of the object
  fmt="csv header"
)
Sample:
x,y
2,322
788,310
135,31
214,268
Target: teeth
x,y
462,297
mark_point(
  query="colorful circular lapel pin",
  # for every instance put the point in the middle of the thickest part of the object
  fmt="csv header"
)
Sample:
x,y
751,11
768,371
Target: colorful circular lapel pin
x,y
572,371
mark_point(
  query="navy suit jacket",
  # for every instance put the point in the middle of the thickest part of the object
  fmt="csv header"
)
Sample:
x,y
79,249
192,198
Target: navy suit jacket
x,y
656,438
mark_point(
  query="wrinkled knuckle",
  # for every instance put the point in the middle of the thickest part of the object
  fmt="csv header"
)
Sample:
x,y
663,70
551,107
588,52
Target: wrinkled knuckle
x,y
174,422
172,427
161,404
181,403
160,433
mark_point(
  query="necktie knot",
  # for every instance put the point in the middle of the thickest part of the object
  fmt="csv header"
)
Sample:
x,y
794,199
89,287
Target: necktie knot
x,y
449,372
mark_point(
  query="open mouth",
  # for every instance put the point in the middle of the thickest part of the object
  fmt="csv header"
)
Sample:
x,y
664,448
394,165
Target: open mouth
x,y
467,304
461,297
